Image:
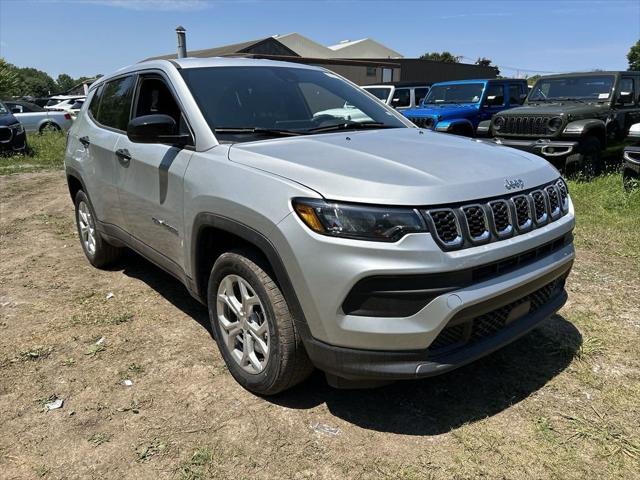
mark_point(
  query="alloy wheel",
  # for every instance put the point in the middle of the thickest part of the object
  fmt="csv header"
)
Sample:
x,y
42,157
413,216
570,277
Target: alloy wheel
x,y
243,323
87,228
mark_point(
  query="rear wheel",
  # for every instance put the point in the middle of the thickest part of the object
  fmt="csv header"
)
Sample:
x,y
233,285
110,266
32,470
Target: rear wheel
x,y
97,250
49,127
586,163
253,326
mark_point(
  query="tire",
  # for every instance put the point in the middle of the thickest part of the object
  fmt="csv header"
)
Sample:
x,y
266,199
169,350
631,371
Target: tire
x,y
264,320
49,127
99,253
586,163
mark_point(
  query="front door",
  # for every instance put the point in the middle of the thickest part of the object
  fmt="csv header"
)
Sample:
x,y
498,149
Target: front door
x,y
150,176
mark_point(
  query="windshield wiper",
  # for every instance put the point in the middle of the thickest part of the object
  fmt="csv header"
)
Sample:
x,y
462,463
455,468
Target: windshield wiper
x,y
570,99
349,125
258,131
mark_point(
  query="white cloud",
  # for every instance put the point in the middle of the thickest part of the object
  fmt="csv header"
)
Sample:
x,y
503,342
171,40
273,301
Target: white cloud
x,y
157,5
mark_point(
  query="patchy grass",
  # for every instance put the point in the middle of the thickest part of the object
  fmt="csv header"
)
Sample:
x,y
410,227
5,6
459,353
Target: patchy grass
x,y
608,217
36,353
560,403
47,152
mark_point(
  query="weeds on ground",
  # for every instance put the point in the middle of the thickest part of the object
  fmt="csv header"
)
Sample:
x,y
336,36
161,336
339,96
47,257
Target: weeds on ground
x,y
47,152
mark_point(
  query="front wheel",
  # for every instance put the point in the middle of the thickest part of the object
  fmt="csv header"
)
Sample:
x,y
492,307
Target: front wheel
x,y
586,163
253,326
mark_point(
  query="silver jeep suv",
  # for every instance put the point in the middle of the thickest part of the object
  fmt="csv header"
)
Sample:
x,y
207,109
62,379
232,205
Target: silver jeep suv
x,y
370,249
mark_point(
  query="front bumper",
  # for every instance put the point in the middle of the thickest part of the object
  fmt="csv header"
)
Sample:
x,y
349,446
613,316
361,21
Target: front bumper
x,y
481,333
550,149
13,143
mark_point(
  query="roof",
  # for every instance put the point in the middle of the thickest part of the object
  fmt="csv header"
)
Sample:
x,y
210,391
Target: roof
x,y
479,80
295,45
364,48
596,73
232,49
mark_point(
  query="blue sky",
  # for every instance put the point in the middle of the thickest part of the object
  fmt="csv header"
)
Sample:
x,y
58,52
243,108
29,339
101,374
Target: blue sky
x,y
84,37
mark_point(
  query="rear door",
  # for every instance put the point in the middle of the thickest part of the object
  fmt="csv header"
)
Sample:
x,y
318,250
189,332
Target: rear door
x,y
150,176
99,132
28,119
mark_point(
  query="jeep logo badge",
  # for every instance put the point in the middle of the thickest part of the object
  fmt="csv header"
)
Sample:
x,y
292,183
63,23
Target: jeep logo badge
x,y
516,183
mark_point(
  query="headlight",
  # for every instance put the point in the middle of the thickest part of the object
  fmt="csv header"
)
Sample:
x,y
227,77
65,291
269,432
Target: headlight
x,y
554,124
358,221
17,128
498,123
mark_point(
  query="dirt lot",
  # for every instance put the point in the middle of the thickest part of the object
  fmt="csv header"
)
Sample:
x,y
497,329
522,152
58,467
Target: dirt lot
x,y
564,402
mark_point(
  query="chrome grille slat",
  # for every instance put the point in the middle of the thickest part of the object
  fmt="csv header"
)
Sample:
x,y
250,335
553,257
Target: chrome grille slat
x,y
471,224
539,207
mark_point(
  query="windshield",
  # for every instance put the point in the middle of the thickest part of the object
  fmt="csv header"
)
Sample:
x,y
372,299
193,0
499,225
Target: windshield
x,y
461,93
3,109
381,92
588,87
287,100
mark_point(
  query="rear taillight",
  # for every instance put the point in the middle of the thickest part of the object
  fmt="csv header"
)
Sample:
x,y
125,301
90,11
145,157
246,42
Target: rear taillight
x,y
67,116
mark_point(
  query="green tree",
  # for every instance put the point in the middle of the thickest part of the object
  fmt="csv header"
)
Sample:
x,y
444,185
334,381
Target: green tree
x,y
446,57
532,79
36,82
9,80
634,56
64,82
486,62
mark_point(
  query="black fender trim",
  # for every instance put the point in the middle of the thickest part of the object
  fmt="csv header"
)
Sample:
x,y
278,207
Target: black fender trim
x,y
72,172
261,242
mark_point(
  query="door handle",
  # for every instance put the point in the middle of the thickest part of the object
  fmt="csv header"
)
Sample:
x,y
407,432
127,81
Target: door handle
x,y
123,156
84,141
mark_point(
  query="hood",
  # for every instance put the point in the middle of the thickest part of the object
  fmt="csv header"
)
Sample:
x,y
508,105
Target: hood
x,y
444,112
399,166
7,119
575,109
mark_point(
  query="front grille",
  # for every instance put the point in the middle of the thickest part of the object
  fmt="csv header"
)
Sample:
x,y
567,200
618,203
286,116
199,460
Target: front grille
x,y
5,134
446,226
554,200
497,219
501,217
423,122
486,325
521,125
476,223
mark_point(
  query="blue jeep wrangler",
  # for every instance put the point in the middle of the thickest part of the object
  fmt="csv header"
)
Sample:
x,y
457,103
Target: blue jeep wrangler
x,y
458,106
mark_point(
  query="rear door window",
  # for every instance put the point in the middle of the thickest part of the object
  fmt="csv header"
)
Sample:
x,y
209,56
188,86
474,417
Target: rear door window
x,y
515,90
115,105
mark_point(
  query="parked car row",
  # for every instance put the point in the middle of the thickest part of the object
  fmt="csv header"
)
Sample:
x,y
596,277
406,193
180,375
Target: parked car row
x,y
568,119
36,119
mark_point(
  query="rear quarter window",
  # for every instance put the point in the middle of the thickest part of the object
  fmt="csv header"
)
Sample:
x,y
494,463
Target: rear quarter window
x,y
115,104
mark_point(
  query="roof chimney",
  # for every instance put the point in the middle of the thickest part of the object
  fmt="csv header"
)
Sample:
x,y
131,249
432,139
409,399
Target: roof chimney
x,y
182,41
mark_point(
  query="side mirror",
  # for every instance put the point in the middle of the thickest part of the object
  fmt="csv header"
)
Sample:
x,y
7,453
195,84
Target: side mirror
x,y
156,128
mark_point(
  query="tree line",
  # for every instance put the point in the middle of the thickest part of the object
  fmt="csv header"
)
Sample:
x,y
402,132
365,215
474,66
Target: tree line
x,y
27,81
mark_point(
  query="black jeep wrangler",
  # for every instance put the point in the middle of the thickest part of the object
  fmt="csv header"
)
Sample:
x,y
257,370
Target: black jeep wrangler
x,y
571,119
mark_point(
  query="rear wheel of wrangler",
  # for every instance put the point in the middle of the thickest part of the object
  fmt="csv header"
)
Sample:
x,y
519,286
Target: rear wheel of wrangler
x,y
99,253
586,163
253,326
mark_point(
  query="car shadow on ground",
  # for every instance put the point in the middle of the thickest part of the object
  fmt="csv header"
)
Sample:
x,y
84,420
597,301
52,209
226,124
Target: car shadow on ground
x,y
429,406
135,266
